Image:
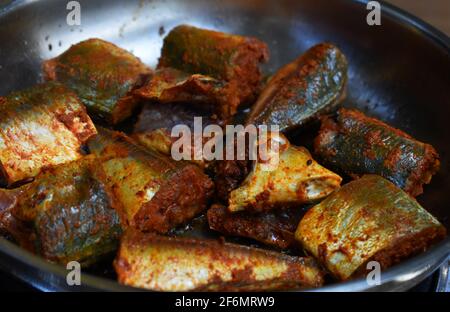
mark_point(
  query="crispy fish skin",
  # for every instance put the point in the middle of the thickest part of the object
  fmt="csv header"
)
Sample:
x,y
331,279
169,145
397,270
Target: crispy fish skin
x,y
69,213
103,76
297,179
43,126
275,228
153,192
181,264
311,85
369,219
355,144
232,58
169,85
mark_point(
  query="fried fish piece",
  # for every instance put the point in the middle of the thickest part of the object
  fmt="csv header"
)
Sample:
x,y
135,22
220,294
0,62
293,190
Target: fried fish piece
x,y
153,192
69,214
169,85
355,144
40,127
369,219
273,228
228,175
309,86
231,58
7,202
230,172
11,227
159,140
296,179
183,264
103,76
153,129
154,116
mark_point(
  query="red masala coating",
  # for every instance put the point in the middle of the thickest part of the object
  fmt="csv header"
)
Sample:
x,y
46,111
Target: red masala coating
x,y
405,248
355,144
229,174
169,85
367,219
310,86
40,127
103,76
7,201
10,226
232,58
164,263
153,192
183,196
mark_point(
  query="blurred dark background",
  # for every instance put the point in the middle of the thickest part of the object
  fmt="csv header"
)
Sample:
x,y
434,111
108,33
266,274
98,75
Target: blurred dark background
x,y
434,12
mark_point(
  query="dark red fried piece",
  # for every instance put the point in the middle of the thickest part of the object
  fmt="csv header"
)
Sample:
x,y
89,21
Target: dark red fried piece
x,y
274,228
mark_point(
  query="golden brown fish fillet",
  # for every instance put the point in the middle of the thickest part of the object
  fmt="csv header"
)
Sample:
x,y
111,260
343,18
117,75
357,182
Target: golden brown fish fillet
x,y
182,264
153,192
295,179
40,127
367,219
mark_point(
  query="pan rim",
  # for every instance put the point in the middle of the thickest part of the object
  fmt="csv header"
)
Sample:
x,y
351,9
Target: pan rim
x,y
395,276
412,268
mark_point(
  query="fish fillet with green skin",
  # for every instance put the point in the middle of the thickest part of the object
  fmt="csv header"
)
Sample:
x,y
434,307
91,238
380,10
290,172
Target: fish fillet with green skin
x,y
302,90
355,144
182,264
153,192
102,75
369,219
232,58
40,127
295,179
70,214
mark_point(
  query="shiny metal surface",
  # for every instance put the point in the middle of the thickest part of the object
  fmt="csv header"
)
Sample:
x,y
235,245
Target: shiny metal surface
x,y
398,72
444,277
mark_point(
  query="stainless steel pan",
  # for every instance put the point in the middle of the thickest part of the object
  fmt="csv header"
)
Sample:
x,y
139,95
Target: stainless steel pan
x,y
399,71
